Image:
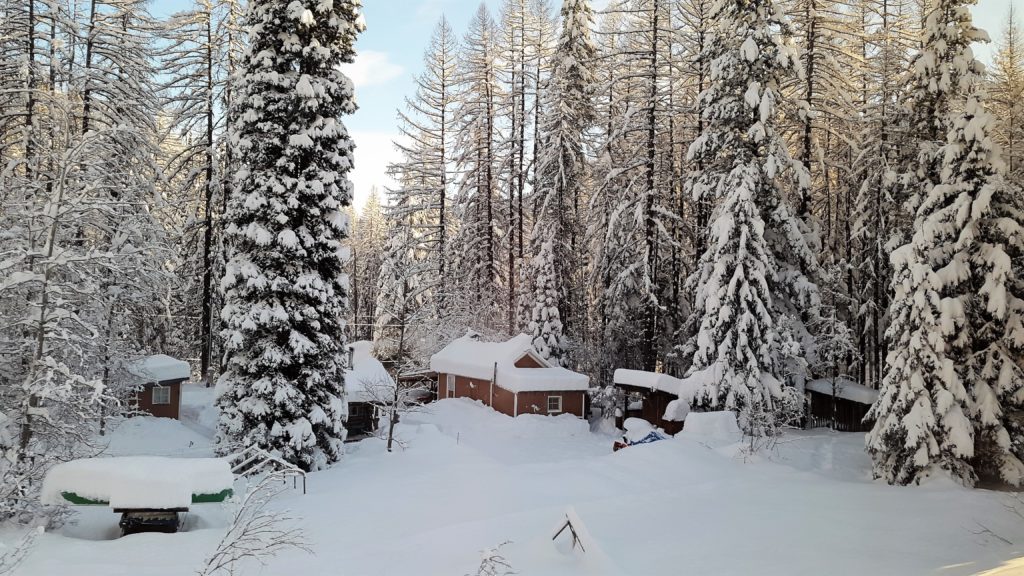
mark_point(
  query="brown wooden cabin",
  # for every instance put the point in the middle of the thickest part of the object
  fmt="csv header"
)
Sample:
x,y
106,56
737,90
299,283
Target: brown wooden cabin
x,y
647,395
648,404
510,377
851,403
159,380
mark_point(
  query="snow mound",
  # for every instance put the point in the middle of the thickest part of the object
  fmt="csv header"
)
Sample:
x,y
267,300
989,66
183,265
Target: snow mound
x,y
199,407
151,436
713,428
138,481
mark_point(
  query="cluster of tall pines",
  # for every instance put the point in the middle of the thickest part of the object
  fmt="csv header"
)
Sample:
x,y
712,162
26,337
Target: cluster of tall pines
x,y
172,185
750,193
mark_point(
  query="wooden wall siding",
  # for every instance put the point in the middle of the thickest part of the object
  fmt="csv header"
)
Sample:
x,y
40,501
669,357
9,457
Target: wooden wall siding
x,y
504,401
572,402
144,398
527,361
849,414
361,418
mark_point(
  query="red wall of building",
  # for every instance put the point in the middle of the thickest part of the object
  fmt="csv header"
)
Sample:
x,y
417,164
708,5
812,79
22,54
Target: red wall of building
x,y
144,398
504,401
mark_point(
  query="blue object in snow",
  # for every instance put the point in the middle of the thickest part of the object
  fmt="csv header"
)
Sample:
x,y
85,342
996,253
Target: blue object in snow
x,y
652,436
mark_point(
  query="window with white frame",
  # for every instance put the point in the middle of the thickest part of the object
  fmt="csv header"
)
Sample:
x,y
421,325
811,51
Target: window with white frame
x,y
554,404
450,385
161,395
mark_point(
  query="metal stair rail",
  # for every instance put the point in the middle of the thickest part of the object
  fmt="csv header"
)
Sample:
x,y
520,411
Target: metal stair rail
x,y
255,460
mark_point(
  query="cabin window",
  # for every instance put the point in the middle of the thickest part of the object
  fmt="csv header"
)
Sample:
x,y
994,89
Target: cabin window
x,y
554,404
161,395
450,385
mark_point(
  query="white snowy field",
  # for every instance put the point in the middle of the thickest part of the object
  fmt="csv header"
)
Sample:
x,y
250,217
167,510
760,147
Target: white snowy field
x,y
469,478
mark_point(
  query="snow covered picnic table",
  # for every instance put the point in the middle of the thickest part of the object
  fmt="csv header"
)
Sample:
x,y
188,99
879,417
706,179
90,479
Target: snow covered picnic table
x,y
139,482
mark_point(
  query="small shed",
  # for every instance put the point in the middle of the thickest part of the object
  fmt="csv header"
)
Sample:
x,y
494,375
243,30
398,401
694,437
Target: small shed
x,y
159,379
510,377
365,380
658,398
850,403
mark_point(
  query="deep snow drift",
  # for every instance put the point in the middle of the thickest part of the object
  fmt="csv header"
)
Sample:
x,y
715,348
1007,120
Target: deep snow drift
x,y
469,478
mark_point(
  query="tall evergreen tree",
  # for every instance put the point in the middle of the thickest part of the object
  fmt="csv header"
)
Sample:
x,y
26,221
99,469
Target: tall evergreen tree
x,y
285,286
425,171
750,287
562,170
478,234
1007,93
953,375
881,138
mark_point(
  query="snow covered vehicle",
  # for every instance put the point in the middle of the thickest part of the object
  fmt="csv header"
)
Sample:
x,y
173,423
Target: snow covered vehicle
x,y
136,521
149,492
638,431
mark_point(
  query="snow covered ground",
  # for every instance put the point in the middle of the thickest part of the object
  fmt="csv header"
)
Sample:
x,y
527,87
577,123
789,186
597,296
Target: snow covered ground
x,y
469,478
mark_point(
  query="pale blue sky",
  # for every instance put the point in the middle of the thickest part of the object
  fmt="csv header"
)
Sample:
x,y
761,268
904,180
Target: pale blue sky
x,y
391,50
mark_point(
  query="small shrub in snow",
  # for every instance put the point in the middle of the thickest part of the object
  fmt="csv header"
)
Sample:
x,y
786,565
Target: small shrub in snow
x,y
492,563
256,532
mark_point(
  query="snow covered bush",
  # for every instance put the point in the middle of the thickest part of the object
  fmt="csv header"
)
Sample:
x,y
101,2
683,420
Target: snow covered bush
x,y
492,563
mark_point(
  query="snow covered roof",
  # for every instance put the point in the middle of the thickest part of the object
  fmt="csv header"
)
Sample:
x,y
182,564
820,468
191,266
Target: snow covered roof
x,y
138,481
160,368
470,357
540,379
845,389
684,389
365,371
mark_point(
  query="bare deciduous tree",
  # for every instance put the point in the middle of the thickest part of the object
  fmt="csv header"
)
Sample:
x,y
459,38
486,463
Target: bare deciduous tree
x,y
256,531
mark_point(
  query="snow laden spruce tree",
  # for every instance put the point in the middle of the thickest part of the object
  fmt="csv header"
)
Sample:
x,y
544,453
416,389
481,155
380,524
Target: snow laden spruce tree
x,y
556,267
285,287
751,286
954,383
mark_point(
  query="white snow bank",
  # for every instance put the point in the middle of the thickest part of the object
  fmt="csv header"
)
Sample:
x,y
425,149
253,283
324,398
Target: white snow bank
x,y
845,389
717,428
152,436
366,372
199,408
472,358
676,411
138,481
160,368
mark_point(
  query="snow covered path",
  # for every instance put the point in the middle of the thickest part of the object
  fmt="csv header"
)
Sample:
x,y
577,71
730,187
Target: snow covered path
x,y
471,479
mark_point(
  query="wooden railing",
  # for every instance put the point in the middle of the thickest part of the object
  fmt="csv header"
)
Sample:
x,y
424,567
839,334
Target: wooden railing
x,y
255,460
